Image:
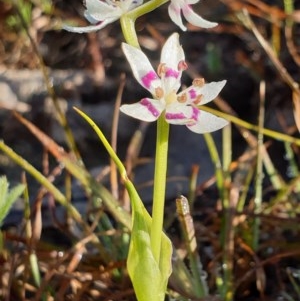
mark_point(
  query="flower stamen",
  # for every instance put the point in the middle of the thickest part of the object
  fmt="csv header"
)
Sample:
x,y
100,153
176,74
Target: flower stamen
x,y
182,65
182,98
159,92
198,99
199,82
161,69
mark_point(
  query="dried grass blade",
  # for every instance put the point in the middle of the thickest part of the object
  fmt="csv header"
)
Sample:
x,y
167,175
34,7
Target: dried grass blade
x,y
296,100
79,172
188,230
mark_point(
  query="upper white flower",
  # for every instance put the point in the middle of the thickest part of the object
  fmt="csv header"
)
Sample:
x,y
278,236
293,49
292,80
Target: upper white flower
x,y
181,108
177,7
100,13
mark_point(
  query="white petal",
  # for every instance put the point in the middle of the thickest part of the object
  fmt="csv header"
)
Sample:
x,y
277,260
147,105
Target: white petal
x,y
211,90
177,113
208,92
207,123
88,28
195,19
128,5
171,55
147,109
175,14
90,18
172,52
100,10
141,68
135,3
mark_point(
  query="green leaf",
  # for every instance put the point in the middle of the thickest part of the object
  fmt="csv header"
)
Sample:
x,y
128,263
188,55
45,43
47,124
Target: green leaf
x,y
7,198
148,277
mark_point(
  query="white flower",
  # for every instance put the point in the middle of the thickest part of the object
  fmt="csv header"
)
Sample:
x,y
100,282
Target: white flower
x,y
177,7
179,108
100,13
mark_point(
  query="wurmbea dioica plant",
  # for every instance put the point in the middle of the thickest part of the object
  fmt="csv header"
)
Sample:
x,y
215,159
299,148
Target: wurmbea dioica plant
x,y
150,251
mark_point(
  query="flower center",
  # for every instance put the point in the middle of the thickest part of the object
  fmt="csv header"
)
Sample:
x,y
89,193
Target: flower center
x,y
170,98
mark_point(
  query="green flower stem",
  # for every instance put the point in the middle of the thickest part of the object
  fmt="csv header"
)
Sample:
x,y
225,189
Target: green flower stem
x,y
145,8
128,29
128,20
159,185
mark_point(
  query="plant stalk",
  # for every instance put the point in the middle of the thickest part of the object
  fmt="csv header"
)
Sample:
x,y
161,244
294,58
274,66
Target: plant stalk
x,y
159,191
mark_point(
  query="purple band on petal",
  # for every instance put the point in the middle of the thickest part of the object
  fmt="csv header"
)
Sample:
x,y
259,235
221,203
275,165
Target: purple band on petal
x,y
195,114
148,78
171,73
172,116
193,93
151,108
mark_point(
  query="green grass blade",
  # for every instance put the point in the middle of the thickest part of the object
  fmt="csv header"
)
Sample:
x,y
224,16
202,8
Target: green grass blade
x,y
7,198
